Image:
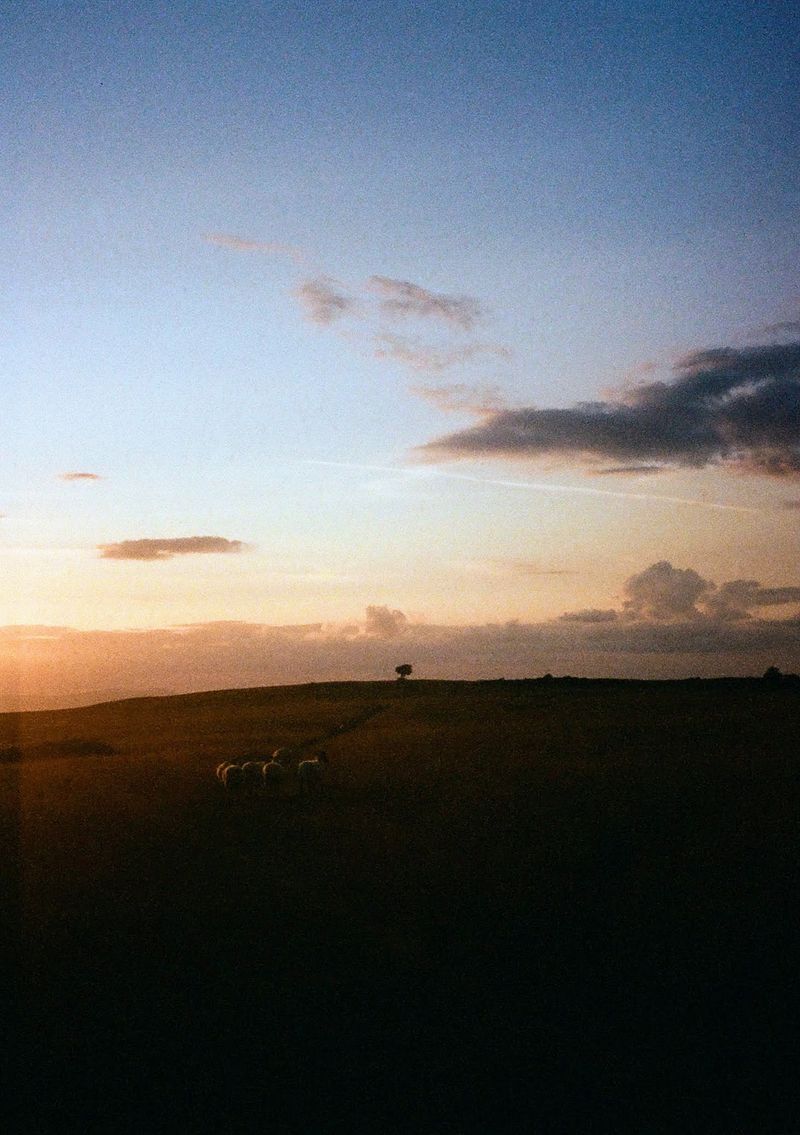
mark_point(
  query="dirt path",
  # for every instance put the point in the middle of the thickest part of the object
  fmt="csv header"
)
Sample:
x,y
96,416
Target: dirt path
x,y
348,726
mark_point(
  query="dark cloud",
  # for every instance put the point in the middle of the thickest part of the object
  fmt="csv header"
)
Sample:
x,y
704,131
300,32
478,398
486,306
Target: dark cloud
x,y
147,549
324,300
383,623
591,615
402,298
80,477
735,408
423,357
785,327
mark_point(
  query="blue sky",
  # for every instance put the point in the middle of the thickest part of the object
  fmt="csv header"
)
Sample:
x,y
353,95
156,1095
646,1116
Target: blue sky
x,y
611,186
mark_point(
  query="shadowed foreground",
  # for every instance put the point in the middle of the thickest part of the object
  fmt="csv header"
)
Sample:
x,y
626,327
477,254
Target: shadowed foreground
x,y
519,906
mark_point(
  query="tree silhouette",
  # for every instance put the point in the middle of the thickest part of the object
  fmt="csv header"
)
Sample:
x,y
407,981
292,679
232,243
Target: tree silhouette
x,y
772,674
403,671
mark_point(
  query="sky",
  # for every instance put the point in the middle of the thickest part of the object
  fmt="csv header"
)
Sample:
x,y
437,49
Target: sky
x,y
341,335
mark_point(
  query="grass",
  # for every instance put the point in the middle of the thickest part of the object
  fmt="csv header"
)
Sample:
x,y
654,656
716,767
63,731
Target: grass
x,y
519,907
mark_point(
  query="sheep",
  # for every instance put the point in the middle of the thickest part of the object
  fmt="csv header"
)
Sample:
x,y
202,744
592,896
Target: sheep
x,y
219,771
311,774
275,771
233,777
252,774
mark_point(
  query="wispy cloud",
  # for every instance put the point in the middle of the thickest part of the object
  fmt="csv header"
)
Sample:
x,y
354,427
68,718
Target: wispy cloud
x,y
736,408
375,305
628,470
432,359
242,244
403,298
545,487
324,300
147,549
80,477
511,567
461,397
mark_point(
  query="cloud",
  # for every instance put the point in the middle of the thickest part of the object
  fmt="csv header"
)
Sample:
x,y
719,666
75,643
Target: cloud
x,y
402,298
511,569
673,623
733,408
324,301
591,615
80,477
662,592
87,666
786,326
383,623
459,397
327,300
422,357
636,470
528,567
377,304
240,244
147,549
736,599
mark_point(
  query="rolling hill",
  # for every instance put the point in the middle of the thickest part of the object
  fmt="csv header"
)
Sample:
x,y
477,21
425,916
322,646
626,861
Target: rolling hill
x,y
518,906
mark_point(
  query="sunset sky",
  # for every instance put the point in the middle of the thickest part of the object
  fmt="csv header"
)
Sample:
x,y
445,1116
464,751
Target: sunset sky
x,y
339,335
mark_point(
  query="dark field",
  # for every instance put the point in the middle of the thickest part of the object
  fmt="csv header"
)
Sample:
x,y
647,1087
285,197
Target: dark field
x,y
532,907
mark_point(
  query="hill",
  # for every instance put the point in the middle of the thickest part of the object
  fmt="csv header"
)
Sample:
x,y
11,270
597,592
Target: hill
x,y
520,905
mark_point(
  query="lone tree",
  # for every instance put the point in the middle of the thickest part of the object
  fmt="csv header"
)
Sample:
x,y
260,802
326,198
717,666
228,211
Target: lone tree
x,y
772,674
403,671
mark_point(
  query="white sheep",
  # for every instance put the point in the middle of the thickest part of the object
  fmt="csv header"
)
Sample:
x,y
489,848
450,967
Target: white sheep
x,y
275,771
252,774
311,774
233,777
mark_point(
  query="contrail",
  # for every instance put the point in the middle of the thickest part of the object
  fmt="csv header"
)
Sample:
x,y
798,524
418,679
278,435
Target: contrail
x,y
540,486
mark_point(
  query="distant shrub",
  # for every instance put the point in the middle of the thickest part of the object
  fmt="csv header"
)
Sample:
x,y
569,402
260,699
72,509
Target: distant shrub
x,y
775,677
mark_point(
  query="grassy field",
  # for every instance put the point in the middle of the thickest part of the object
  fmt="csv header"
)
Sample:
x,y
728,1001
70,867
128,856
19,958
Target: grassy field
x,y
520,906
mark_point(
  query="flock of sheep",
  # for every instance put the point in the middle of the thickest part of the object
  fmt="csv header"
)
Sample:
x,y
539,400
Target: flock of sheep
x,y
285,773
276,776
